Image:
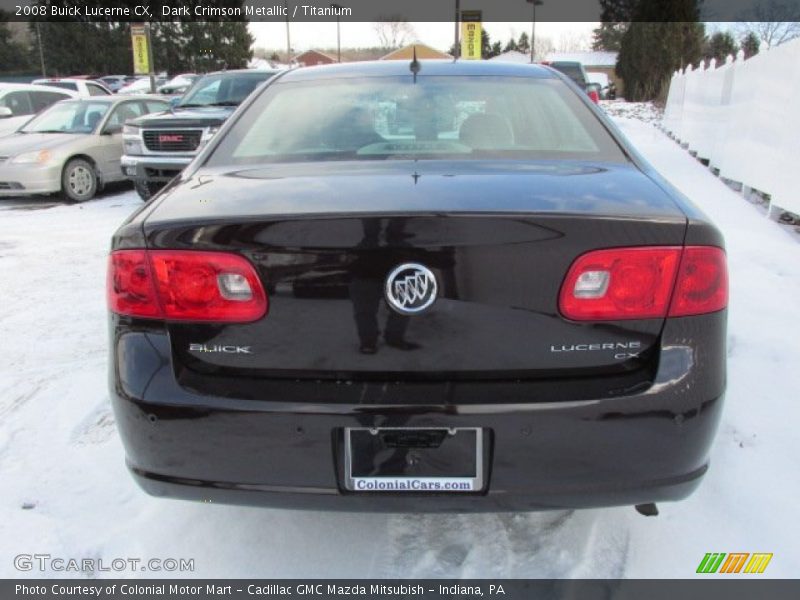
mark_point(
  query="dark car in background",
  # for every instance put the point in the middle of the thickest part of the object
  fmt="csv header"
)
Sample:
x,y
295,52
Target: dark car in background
x,y
575,71
159,146
572,69
527,315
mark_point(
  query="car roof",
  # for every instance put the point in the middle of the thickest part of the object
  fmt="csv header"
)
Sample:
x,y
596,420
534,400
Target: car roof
x,y
437,67
140,97
116,98
240,71
68,79
30,87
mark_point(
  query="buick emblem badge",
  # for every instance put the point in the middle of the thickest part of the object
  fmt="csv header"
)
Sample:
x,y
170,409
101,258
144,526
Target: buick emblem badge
x,y
411,288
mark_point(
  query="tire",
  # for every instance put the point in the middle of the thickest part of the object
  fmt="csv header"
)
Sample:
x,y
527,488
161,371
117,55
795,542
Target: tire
x,y
147,189
78,180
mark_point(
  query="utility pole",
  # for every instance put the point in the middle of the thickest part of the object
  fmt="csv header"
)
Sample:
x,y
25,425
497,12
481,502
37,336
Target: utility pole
x,y
338,8
150,54
41,50
456,20
288,39
534,3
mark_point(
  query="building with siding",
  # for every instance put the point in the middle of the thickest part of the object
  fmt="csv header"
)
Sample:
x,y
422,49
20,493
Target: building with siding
x,y
407,53
310,58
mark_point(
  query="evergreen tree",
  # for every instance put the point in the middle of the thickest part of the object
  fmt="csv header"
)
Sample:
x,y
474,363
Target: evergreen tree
x,y
615,17
524,44
608,36
102,47
661,39
221,45
13,55
486,47
511,45
169,41
750,44
488,50
719,46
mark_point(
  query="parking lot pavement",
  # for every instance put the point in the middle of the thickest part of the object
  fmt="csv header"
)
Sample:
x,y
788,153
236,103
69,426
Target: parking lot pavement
x,y
28,203
66,491
44,202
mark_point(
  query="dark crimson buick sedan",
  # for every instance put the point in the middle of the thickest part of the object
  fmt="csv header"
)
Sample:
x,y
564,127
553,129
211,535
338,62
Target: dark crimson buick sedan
x,y
443,286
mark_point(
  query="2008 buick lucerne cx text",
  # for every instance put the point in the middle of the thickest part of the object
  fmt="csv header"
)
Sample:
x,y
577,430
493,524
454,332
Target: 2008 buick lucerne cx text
x,y
435,286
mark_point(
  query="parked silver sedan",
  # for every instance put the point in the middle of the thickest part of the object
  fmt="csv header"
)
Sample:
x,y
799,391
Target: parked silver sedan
x,y
73,147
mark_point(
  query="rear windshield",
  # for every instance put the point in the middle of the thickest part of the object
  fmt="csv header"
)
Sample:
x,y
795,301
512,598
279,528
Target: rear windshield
x,y
223,89
437,117
573,71
67,85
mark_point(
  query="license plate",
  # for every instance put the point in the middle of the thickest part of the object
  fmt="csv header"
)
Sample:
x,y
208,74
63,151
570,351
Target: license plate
x,y
422,459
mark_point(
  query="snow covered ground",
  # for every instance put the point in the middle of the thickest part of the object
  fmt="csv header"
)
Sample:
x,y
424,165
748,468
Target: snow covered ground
x,y
65,490
641,111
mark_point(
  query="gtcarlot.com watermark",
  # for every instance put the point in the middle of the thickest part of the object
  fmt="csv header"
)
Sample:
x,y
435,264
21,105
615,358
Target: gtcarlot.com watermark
x,y
63,564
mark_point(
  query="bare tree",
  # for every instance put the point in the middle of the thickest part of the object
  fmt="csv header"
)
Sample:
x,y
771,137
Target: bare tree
x,y
774,21
393,31
543,47
574,42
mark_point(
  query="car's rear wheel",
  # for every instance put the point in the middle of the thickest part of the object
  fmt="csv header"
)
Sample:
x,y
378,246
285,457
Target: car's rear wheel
x,y
147,189
79,180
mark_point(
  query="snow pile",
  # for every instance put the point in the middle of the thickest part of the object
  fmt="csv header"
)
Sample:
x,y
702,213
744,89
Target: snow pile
x,y
66,491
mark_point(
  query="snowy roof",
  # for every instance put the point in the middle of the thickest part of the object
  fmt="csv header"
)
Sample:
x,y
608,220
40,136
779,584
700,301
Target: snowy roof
x,y
298,58
512,56
587,59
258,63
263,64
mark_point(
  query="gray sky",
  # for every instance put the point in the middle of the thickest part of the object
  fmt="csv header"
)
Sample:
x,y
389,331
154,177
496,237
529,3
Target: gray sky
x,y
272,35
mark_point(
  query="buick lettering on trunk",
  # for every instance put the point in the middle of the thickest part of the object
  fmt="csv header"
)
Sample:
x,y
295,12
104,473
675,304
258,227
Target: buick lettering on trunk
x,y
497,307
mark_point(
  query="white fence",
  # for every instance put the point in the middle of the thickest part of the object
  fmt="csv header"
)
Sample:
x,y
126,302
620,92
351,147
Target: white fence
x,y
744,118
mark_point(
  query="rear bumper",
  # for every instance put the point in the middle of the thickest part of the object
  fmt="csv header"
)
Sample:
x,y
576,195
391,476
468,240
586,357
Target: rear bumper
x,y
529,500
287,450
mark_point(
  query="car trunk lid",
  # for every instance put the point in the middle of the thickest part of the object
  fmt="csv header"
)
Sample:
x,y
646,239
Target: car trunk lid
x,y
499,242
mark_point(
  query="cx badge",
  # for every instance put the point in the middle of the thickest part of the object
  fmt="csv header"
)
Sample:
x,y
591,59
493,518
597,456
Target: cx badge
x,y
411,288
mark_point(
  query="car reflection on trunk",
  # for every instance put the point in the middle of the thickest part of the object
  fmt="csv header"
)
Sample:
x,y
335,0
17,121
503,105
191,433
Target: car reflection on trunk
x,y
367,284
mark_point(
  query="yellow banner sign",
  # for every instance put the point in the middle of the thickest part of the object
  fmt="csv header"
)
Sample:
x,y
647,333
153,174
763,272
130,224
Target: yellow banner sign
x,y
471,42
141,50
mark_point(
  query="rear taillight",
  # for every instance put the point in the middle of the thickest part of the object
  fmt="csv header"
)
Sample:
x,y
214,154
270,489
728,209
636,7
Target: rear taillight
x,y
129,285
644,283
702,285
183,285
594,96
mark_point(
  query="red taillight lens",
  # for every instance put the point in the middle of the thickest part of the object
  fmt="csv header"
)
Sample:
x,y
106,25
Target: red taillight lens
x,y
620,283
638,283
129,285
702,285
185,286
595,97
